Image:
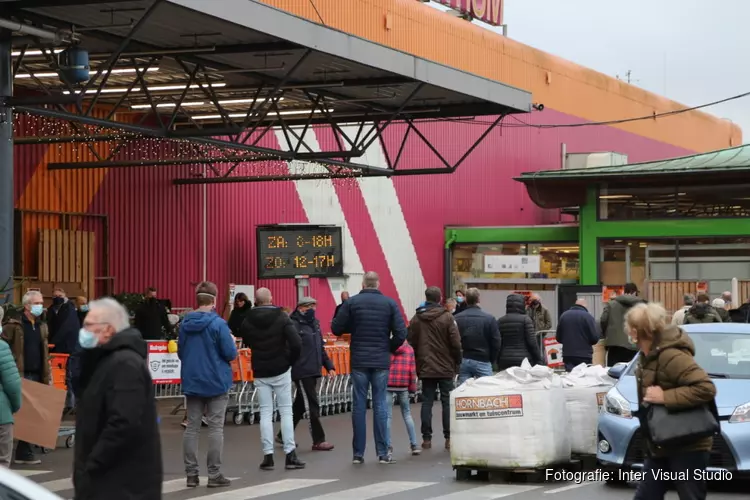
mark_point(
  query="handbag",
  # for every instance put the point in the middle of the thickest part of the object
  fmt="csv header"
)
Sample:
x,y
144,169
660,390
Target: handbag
x,y
668,428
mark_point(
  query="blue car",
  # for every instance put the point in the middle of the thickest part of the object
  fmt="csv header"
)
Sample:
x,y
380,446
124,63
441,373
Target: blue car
x,y
723,350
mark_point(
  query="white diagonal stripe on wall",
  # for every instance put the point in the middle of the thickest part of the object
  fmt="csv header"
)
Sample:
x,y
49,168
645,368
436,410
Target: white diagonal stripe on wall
x,y
390,225
322,206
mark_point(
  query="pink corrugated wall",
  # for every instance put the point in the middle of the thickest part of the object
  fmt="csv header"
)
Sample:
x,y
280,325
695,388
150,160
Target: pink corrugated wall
x,y
155,226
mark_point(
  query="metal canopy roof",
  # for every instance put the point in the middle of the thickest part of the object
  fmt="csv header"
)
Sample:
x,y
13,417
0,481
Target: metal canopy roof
x,y
544,187
194,69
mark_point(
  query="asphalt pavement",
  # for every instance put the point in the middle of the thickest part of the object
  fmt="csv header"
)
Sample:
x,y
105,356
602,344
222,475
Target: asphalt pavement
x,y
332,476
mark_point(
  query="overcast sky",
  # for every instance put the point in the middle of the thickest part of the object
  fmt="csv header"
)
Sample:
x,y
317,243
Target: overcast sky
x,y
692,51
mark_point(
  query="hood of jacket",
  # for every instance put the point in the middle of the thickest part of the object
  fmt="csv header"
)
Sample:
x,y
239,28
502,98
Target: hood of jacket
x,y
431,311
264,316
672,337
628,301
127,339
197,321
701,310
515,304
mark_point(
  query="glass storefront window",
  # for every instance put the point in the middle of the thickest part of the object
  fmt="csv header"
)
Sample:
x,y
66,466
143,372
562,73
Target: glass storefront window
x,y
557,261
695,201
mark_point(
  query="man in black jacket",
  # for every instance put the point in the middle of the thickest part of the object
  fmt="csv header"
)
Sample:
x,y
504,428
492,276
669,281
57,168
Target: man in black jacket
x,y
577,332
518,335
275,343
151,318
480,339
118,450
63,324
307,370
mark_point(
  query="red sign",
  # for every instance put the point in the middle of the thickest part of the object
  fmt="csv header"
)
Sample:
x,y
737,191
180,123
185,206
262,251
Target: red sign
x,y
701,287
488,11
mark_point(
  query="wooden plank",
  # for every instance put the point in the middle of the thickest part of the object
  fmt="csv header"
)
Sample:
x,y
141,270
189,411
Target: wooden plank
x,y
92,267
79,242
66,257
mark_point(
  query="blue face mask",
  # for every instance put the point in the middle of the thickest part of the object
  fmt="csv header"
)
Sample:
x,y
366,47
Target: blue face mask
x,y
459,299
84,308
87,339
37,310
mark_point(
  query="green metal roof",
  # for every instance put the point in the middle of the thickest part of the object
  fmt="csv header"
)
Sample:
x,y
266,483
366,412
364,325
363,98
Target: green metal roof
x,y
730,160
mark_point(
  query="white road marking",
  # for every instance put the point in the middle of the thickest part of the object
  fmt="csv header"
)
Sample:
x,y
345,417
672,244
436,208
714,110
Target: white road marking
x,y
567,488
489,492
30,472
58,485
262,490
372,491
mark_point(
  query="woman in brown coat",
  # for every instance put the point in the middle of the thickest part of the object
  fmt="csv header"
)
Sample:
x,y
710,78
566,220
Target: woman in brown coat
x,y
668,375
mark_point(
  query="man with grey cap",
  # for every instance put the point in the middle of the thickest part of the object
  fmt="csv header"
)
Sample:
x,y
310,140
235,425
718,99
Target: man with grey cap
x,y
308,369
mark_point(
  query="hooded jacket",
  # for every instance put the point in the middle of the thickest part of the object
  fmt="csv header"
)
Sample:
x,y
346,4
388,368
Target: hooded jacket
x,y
313,356
612,320
480,338
577,332
671,365
701,313
237,317
376,326
518,336
273,339
10,385
403,372
206,350
433,334
118,448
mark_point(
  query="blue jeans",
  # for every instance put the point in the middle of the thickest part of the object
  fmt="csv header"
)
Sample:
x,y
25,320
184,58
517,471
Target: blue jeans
x,y
473,368
281,385
402,397
361,381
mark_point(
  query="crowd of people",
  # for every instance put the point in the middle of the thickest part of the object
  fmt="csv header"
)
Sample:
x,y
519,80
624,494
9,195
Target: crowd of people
x,y
117,430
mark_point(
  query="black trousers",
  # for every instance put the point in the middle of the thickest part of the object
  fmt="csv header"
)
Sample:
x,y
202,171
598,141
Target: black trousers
x,y
691,488
429,390
573,361
307,390
616,354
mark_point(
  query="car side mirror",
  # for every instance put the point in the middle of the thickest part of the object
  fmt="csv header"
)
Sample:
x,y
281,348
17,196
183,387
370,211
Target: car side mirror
x,y
617,370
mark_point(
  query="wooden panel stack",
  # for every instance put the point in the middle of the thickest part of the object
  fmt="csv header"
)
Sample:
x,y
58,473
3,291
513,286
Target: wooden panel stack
x,y
670,293
67,257
743,287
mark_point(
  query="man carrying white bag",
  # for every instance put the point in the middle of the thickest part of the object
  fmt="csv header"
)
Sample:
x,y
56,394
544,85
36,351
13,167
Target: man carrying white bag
x,y
585,388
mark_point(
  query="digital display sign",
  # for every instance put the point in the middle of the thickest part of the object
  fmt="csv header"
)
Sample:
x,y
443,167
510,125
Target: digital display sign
x,y
302,250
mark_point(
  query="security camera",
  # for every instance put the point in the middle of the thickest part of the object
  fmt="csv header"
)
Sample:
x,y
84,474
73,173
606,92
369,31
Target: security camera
x,y
538,107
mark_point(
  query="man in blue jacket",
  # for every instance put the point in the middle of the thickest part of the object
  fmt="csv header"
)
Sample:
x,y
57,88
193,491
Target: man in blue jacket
x,y
577,332
206,349
377,329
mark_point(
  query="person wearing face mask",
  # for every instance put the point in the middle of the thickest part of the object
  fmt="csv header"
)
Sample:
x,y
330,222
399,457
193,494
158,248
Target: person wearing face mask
x,y
307,370
118,449
27,338
82,305
63,323
151,318
460,301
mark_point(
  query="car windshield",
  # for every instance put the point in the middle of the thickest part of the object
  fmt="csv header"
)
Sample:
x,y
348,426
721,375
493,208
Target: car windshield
x,y
722,355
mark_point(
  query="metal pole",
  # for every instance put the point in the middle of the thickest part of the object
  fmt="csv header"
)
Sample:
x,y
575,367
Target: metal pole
x,y
7,204
205,228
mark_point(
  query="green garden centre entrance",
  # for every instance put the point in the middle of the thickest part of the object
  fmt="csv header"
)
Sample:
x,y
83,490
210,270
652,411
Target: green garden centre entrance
x,y
683,219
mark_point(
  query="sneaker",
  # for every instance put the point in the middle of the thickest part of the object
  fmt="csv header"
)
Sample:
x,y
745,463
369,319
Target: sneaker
x,y
184,424
32,460
388,460
292,462
448,444
358,460
267,463
426,444
324,446
193,481
416,450
218,482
